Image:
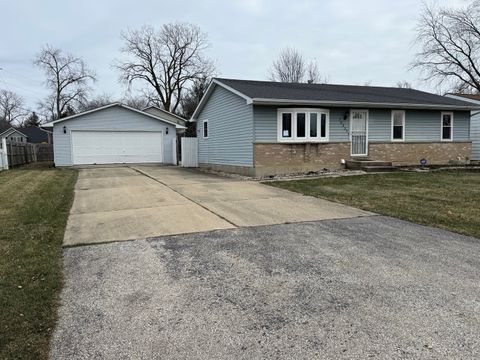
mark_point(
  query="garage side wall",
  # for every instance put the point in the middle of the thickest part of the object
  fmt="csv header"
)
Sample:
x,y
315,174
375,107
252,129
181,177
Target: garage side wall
x,y
110,119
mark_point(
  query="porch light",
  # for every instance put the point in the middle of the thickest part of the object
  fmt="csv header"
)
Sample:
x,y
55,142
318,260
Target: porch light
x,y
166,131
64,129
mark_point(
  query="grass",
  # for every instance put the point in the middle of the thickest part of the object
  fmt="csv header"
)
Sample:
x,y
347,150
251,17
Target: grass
x,y
34,206
445,199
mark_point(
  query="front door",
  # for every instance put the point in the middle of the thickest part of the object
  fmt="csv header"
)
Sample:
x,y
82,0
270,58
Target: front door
x,y
359,132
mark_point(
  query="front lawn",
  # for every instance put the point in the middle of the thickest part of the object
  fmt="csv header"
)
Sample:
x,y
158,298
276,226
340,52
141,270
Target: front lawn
x,y
445,199
34,206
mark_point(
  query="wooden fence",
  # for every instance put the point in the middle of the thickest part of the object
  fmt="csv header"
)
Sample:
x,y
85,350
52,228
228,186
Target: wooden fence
x,y
26,153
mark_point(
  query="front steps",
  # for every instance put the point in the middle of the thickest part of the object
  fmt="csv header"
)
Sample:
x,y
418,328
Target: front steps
x,y
370,165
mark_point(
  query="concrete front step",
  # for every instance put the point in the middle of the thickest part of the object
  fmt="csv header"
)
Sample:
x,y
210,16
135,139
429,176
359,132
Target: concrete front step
x,y
361,164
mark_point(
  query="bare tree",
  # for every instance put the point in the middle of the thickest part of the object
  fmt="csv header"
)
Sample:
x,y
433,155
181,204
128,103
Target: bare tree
x,y
449,42
68,78
288,67
11,107
96,102
404,84
314,76
168,60
137,102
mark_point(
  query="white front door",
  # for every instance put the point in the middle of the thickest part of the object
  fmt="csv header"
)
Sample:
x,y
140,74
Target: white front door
x,y
114,147
359,132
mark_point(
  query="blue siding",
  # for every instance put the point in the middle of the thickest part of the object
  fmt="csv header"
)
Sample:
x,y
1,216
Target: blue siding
x,y
112,118
379,125
230,130
420,125
339,126
265,123
424,125
461,125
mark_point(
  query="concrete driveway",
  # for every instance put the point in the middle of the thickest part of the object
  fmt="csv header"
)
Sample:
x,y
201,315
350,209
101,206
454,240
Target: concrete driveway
x,y
123,203
357,288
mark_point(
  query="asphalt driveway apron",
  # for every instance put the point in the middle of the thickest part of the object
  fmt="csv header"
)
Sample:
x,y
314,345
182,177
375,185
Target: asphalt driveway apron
x,y
365,287
124,203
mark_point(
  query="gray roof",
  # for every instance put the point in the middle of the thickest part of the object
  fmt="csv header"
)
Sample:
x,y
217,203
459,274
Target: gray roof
x,y
329,94
35,134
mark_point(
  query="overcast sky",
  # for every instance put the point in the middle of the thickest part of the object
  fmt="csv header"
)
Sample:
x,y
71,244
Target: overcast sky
x,y
353,41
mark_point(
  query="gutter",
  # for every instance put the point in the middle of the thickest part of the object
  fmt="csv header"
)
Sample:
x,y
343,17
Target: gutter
x,y
266,101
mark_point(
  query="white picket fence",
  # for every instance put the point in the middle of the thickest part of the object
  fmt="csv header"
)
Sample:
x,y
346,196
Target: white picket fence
x,y
189,152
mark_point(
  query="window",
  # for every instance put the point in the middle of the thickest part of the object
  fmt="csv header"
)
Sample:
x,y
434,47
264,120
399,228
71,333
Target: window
x,y
205,129
313,125
302,125
398,125
286,125
323,125
447,126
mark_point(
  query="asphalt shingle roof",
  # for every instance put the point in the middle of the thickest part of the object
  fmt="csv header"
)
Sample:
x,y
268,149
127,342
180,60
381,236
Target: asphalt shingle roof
x,y
334,93
34,134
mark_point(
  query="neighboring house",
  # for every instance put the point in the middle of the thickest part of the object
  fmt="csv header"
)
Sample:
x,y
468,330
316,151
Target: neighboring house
x,y
13,135
263,128
113,134
36,135
474,122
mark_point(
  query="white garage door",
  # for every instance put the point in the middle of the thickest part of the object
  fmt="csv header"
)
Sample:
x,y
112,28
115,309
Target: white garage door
x,y
113,147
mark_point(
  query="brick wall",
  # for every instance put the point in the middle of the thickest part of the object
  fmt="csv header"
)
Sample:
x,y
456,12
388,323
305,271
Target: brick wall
x,y
410,153
272,159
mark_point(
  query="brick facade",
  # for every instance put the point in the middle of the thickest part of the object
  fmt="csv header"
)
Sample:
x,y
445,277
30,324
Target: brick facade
x,y
272,158
275,158
410,153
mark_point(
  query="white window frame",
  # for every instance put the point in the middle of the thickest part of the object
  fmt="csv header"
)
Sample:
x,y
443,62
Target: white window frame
x,y
307,138
403,124
451,125
203,129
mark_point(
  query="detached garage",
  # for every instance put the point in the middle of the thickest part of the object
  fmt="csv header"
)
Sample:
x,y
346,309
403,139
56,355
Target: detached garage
x,y
114,134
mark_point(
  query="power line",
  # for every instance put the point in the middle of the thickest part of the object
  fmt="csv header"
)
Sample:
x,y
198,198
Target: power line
x,y
22,88
20,75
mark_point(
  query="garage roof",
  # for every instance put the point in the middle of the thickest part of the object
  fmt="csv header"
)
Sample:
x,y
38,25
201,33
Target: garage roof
x,y
109,106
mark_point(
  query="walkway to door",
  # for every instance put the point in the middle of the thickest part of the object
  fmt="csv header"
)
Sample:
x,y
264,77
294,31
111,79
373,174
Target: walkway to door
x,y
123,203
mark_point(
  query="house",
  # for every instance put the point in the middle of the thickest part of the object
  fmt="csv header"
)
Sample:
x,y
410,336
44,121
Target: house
x,y
31,134
13,135
474,122
36,135
264,128
113,134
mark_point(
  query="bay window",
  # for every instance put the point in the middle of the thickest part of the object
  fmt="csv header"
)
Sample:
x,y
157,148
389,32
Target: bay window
x,y
302,125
